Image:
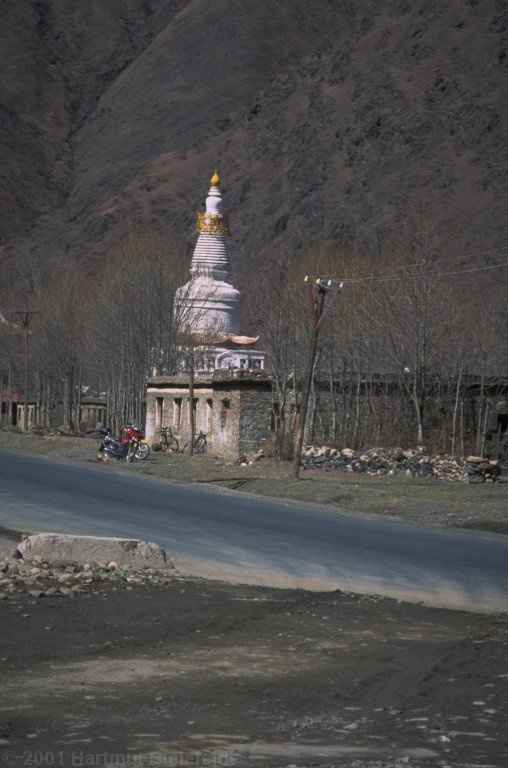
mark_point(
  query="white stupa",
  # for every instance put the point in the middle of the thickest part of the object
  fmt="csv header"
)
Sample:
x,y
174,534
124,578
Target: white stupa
x,y
208,307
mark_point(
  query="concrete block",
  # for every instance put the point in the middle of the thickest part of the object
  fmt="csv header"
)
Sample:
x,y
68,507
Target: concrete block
x,y
66,549
7,548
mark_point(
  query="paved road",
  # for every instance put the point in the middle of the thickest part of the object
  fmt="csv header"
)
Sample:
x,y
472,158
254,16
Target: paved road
x,y
255,540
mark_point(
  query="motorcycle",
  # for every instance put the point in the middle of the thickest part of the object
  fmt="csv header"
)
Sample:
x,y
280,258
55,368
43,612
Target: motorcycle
x,y
132,445
136,432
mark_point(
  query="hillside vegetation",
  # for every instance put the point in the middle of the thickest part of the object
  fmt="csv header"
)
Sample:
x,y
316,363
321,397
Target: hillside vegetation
x,y
334,119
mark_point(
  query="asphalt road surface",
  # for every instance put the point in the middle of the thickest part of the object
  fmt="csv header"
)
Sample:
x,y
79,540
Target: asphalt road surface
x,y
253,540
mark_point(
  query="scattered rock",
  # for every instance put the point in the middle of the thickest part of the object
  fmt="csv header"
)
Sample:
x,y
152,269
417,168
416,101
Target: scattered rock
x,y
21,578
397,463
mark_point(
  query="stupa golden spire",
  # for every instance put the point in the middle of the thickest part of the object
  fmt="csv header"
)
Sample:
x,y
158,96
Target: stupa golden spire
x,y
213,221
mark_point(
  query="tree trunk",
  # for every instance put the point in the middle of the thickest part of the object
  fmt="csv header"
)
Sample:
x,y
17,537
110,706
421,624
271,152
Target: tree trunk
x,y
418,414
485,422
462,443
480,409
455,411
9,396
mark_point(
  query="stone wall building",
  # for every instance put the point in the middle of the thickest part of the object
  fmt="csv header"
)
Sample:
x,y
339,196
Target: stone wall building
x,y
92,414
233,409
237,411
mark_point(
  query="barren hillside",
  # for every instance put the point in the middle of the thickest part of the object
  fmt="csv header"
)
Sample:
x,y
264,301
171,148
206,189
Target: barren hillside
x,y
331,117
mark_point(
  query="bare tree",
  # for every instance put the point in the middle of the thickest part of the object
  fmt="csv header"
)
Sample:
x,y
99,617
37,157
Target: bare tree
x,y
133,331
277,310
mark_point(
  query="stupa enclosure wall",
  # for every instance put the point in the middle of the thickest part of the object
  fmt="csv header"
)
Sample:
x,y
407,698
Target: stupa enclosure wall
x,y
251,407
233,411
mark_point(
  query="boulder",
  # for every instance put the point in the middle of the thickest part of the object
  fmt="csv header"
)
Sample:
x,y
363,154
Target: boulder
x,y
64,549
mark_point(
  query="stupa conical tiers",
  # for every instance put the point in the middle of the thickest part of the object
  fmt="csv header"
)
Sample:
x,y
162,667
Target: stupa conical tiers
x,y
208,307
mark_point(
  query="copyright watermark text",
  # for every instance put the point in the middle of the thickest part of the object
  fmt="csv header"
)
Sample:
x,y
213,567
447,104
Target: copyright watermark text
x,y
157,759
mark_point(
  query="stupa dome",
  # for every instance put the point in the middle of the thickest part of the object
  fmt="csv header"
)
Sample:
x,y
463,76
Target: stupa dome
x,y
208,303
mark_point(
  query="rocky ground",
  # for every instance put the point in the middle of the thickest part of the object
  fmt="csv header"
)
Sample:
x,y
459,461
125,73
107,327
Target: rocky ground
x,y
106,665
153,670
425,500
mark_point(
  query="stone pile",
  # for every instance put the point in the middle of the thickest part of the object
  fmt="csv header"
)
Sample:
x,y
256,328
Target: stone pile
x,y
480,470
399,463
37,578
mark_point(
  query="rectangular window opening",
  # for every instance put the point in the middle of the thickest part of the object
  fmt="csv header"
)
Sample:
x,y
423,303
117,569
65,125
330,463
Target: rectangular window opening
x,y
225,414
194,412
177,413
159,409
209,416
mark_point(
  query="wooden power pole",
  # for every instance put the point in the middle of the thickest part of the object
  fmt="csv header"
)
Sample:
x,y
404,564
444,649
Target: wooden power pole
x,y
191,361
317,291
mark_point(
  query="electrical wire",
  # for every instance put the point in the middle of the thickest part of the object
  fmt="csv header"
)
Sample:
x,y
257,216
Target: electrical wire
x,y
451,260
397,278
422,263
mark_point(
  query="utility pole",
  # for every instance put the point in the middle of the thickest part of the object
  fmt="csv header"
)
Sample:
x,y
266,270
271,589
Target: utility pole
x,y
191,401
26,316
317,292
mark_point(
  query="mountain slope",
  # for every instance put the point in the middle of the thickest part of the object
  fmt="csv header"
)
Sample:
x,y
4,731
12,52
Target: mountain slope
x,y
334,118
57,57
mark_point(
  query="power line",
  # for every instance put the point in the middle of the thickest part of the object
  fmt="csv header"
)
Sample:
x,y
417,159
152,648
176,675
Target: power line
x,y
398,278
449,260
424,262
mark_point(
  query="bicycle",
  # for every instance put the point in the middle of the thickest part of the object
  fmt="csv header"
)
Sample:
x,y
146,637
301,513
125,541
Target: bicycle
x,y
167,440
199,444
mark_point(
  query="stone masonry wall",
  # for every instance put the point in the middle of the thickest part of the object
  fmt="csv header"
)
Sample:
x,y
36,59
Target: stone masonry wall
x,y
225,424
175,400
255,414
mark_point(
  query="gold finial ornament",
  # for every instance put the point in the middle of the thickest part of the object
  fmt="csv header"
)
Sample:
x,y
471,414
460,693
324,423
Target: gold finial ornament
x,y
215,180
213,224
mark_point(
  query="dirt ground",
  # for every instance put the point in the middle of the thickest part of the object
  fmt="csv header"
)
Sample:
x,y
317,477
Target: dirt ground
x,y
197,673
421,500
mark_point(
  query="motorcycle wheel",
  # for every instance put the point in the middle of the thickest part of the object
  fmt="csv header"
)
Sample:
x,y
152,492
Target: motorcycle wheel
x,y
143,451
